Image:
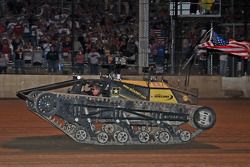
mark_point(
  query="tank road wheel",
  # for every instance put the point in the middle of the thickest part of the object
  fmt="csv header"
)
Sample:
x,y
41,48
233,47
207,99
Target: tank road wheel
x,y
164,137
65,126
145,128
46,104
30,103
71,128
143,137
185,136
108,128
204,118
81,135
122,137
116,134
102,137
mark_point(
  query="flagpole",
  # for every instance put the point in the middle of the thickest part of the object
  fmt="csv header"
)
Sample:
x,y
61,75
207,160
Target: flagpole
x,y
210,55
211,31
202,39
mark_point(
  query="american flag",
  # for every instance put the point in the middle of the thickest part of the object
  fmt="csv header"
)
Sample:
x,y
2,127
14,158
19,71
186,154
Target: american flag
x,y
231,46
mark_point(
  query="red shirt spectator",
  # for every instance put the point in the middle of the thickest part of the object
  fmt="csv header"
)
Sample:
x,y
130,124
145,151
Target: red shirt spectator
x,y
6,47
2,28
80,58
18,29
66,46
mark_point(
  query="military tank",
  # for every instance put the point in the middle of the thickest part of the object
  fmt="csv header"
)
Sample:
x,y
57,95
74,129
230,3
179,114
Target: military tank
x,y
127,111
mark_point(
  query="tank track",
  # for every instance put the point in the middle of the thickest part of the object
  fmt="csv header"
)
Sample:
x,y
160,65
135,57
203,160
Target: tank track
x,y
115,121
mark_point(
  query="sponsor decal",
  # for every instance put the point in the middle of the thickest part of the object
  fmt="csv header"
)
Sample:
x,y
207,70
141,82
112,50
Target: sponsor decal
x,y
167,97
115,91
162,95
134,91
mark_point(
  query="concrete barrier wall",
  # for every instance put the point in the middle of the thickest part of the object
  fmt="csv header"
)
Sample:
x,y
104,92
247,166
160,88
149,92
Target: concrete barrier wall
x,y
208,86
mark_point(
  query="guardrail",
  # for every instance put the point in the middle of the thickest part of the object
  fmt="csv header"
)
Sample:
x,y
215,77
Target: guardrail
x,y
207,86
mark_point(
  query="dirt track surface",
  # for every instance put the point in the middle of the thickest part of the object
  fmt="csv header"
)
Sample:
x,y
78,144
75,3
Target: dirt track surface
x,y
28,141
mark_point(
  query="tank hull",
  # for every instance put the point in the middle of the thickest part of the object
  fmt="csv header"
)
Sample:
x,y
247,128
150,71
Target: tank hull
x,y
115,121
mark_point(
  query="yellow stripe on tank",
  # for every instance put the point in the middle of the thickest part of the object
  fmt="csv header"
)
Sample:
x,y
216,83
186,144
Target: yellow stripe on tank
x,y
145,83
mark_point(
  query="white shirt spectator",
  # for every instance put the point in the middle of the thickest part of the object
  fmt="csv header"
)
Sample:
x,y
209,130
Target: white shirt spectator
x,y
37,58
46,48
64,30
11,26
94,57
26,29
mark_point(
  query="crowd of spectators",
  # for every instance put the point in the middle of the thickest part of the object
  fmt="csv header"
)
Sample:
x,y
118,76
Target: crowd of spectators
x,y
50,37
47,37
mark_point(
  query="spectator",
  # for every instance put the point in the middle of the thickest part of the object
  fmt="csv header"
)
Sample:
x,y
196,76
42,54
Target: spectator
x,y
223,64
123,48
17,42
202,55
94,58
160,59
19,60
2,28
186,47
26,31
28,52
66,49
132,52
109,61
18,29
45,46
113,46
153,50
6,48
37,58
80,62
3,63
52,58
